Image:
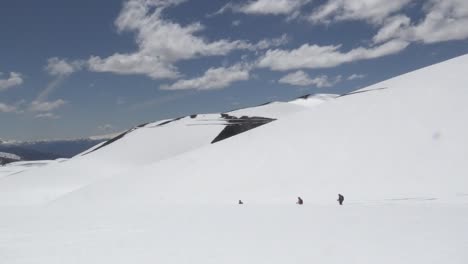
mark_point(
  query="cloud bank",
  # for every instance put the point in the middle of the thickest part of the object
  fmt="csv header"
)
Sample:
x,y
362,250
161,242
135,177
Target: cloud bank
x,y
300,78
14,79
315,57
162,43
214,78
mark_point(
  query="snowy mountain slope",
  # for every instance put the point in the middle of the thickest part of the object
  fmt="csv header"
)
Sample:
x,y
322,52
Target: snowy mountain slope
x,y
284,109
397,150
20,166
407,141
313,100
142,145
276,234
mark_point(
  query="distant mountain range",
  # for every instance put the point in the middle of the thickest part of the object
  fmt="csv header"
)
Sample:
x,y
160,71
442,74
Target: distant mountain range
x,y
50,149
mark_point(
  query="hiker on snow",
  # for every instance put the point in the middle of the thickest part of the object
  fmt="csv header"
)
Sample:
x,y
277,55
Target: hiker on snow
x,y
299,200
340,199
240,202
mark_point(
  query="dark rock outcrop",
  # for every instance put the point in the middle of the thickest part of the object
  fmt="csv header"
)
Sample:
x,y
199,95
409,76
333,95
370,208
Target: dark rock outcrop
x,y
235,125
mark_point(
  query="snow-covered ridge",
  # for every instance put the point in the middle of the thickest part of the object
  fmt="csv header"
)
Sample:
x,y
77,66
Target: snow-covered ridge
x,y
394,140
163,192
9,156
6,158
143,145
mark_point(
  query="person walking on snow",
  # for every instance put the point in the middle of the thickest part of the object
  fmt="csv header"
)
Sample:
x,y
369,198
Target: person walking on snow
x,y
299,201
340,199
240,202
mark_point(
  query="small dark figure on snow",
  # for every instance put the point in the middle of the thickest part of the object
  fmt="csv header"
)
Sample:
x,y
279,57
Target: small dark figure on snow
x,y
340,199
299,200
240,202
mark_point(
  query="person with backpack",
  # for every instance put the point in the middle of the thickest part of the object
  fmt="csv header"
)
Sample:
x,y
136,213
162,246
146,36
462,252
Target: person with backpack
x,y
340,199
299,201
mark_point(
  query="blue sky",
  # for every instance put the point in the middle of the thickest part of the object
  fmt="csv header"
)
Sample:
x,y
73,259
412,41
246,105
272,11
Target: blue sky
x,y
79,68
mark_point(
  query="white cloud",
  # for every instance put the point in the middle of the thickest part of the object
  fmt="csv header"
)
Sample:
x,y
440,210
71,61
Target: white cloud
x,y
162,43
46,106
444,20
236,23
314,56
300,78
391,26
4,108
373,11
135,63
267,43
106,127
14,79
61,67
356,76
266,7
47,116
214,78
